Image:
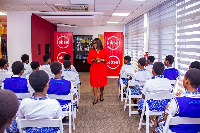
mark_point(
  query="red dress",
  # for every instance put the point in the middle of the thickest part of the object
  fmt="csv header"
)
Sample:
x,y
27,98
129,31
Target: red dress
x,y
98,76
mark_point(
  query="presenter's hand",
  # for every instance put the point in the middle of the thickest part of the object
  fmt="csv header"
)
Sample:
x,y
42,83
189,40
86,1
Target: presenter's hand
x,y
93,60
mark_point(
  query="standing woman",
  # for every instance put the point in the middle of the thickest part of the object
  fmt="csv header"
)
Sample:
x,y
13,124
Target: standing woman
x,y
98,58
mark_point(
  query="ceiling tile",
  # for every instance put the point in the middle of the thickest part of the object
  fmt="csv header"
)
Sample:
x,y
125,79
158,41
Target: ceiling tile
x,y
9,1
19,7
127,7
41,8
116,18
90,2
131,2
105,7
34,2
123,11
107,2
106,12
65,2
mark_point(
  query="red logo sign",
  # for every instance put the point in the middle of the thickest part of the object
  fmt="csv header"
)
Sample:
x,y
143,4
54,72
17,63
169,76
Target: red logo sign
x,y
63,42
60,56
114,62
113,43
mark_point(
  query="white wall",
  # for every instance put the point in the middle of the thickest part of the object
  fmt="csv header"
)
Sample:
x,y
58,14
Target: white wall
x,y
18,35
95,30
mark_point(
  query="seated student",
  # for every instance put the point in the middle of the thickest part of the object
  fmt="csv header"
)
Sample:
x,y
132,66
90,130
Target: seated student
x,y
68,74
60,86
150,63
196,65
127,68
67,57
156,84
9,106
16,83
170,72
179,105
46,66
39,106
35,66
4,73
141,75
27,68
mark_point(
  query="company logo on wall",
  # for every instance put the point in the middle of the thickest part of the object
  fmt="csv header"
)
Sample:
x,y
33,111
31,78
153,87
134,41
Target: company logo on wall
x,y
113,43
63,42
60,56
114,62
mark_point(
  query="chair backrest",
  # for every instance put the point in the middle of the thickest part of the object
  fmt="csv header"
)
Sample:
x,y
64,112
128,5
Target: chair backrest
x,y
126,75
23,95
173,82
22,123
134,83
63,97
159,95
179,120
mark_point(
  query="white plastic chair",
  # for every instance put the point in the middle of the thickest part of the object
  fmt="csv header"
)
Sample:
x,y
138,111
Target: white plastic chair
x,y
23,95
155,96
129,96
22,123
179,120
66,113
125,75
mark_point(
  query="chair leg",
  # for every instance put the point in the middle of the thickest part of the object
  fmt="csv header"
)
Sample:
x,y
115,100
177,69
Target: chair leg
x,y
129,103
121,93
147,120
141,117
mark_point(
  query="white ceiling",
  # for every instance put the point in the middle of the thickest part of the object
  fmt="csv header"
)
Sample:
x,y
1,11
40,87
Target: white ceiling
x,y
100,10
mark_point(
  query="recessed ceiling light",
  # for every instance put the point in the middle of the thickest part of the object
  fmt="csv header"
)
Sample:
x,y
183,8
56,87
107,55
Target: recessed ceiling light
x,y
3,13
120,14
109,22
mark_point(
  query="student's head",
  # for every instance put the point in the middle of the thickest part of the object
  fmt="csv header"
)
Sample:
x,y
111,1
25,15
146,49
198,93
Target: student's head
x,y
56,67
67,57
47,59
67,64
127,59
18,68
35,65
192,79
25,58
4,63
169,60
98,45
150,59
141,62
8,108
39,80
195,64
158,68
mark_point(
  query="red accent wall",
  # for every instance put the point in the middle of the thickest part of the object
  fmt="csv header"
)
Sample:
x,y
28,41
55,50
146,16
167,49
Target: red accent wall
x,y
42,32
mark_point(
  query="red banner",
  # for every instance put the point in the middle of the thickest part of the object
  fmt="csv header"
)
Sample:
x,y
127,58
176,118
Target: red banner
x,y
113,43
63,44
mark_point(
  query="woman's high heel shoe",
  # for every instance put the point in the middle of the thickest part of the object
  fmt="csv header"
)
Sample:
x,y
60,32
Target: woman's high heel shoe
x,y
95,102
100,98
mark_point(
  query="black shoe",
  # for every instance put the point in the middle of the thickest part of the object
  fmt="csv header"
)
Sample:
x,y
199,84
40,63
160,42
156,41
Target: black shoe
x,y
100,98
124,95
65,120
144,117
95,102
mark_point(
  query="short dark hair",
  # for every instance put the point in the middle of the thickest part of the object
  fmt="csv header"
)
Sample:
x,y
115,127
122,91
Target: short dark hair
x,y
127,58
35,64
45,57
24,57
151,58
158,68
142,61
170,58
195,64
9,106
193,76
17,67
38,80
67,57
3,62
67,64
55,67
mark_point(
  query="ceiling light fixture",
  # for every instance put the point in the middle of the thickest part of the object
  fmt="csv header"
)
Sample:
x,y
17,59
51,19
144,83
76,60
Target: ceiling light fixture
x,y
110,22
120,14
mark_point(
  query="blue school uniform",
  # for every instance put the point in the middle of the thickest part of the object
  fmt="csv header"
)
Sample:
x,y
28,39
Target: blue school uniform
x,y
158,105
171,73
60,87
124,80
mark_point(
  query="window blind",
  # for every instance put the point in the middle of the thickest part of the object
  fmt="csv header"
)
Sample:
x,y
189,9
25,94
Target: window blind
x,y
134,39
188,34
162,30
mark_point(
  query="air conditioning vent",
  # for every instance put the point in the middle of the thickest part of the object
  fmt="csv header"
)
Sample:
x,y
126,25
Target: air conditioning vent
x,y
73,8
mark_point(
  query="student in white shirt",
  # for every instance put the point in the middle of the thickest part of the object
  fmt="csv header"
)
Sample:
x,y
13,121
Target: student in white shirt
x,y
39,106
67,57
46,66
68,74
4,73
156,84
27,67
8,108
150,63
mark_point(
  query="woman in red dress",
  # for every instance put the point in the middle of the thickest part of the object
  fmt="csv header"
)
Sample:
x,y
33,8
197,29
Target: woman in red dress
x,y
98,58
